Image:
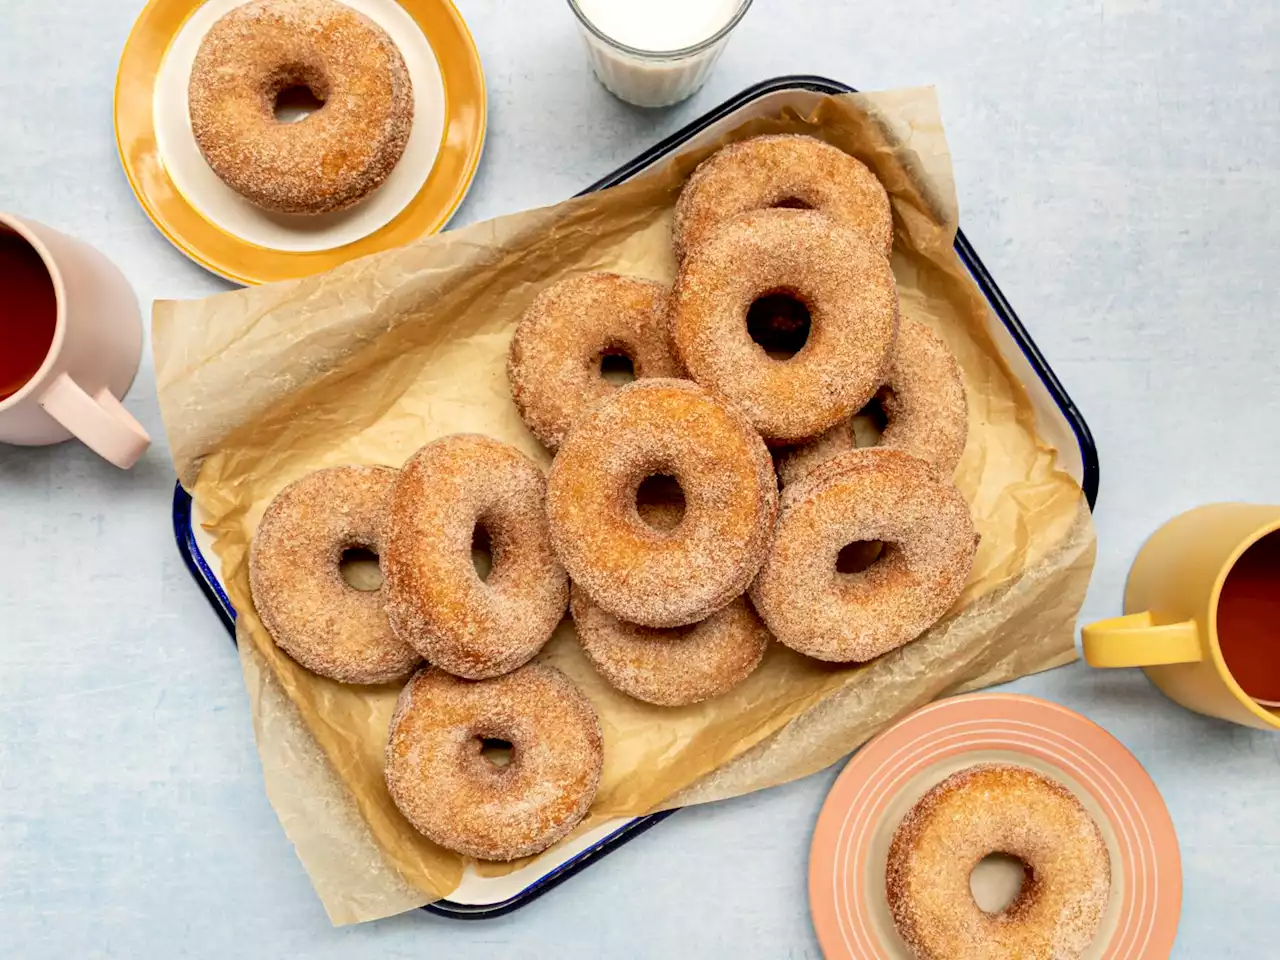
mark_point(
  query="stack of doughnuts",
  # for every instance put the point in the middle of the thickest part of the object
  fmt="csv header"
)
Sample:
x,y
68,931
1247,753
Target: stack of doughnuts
x,y
663,608
689,517
477,635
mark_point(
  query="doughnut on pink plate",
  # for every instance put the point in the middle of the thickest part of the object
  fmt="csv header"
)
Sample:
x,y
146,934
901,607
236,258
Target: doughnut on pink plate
x,y
886,777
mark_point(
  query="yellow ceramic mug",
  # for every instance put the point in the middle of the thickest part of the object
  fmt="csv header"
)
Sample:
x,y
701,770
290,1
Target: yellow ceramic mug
x,y
1171,604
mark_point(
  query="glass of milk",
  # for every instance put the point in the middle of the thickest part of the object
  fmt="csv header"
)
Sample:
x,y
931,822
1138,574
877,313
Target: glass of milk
x,y
654,53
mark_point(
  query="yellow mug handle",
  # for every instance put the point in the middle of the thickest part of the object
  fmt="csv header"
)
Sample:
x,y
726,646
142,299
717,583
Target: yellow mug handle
x,y
1137,640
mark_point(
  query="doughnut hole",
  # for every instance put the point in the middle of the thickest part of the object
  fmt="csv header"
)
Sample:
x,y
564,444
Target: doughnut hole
x,y
869,423
779,323
616,367
997,882
495,751
295,103
300,92
359,568
482,552
858,556
792,203
660,502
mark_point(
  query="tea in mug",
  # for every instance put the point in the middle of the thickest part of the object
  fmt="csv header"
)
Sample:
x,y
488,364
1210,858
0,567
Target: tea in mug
x,y
1249,620
28,313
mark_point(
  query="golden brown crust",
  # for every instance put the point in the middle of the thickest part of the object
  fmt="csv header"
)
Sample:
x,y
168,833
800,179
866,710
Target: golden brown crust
x,y
555,356
299,592
633,570
851,297
795,463
865,495
782,170
998,808
436,601
924,403
675,667
329,160
451,793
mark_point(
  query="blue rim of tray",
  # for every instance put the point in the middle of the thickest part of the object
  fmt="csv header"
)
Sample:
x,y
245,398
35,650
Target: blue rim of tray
x,y
221,604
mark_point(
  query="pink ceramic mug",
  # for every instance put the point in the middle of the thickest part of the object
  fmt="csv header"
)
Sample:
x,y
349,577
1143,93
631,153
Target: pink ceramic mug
x,y
79,331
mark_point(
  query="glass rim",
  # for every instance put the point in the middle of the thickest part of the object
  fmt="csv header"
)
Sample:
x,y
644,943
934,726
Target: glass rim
x,y
677,54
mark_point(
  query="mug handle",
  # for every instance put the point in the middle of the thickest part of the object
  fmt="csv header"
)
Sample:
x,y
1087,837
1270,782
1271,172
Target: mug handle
x,y
1137,640
106,427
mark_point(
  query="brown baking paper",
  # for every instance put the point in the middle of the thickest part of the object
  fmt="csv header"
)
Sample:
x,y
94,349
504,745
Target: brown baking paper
x,y
366,363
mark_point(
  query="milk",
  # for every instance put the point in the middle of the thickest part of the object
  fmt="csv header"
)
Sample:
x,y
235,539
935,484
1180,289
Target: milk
x,y
659,25
655,52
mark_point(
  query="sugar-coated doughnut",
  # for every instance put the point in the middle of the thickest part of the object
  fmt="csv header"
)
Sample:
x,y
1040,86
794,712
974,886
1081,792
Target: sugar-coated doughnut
x,y
865,496
636,571
332,158
676,666
310,610
924,404
442,782
555,359
925,407
782,170
436,601
795,463
842,280
998,808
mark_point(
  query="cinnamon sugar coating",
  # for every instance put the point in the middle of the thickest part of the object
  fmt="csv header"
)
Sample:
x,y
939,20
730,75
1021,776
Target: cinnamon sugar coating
x,y
924,400
860,496
444,785
310,610
998,808
677,666
326,161
795,463
842,280
782,170
924,404
638,572
436,601
558,346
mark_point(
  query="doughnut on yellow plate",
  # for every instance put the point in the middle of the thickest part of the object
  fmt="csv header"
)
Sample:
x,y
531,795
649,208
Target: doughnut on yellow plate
x,y
886,777
216,227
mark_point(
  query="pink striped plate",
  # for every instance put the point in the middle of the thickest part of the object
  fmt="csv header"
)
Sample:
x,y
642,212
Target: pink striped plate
x,y
887,776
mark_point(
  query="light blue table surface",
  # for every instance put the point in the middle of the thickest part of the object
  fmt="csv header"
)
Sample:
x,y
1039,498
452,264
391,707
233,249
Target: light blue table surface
x,y
1118,168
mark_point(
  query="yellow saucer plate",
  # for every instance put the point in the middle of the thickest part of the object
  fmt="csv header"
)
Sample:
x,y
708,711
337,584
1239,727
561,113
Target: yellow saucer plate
x,y
218,229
